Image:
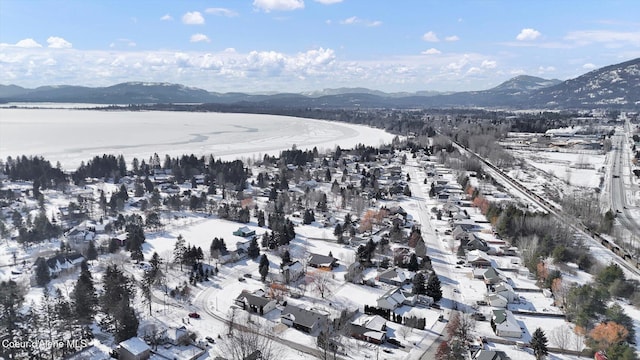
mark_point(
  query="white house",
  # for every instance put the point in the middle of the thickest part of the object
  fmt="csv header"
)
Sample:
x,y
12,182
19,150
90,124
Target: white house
x,y
395,298
505,290
498,301
505,324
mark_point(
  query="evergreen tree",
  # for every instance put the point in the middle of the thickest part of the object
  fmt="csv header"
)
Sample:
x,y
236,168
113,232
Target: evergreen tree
x,y
413,263
434,288
286,259
179,250
263,267
92,253
42,272
539,344
418,284
126,321
254,250
84,296
261,218
116,290
11,299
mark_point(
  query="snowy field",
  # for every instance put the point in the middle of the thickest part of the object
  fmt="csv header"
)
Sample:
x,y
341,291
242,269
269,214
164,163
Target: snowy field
x,y
72,136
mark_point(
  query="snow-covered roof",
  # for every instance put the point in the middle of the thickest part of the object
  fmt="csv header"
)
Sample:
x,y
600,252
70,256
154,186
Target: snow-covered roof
x,y
135,346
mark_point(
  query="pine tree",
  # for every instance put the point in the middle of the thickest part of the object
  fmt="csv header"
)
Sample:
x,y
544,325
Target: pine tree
x,y
126,321
263,267
84,296
92,253
254,250
418,284
11,299
539,344
42,272
434,289
286,259
413,263
179,251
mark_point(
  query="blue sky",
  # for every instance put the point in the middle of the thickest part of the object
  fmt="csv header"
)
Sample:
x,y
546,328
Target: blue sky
x,y
306,45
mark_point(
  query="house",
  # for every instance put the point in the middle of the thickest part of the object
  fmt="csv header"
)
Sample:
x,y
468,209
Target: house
x,y
62,263
255,302
491,355
244,231
491,276
478,259
371,328
292,272
474,242
322,261
498,301
395,276
133,349
302,319
505,290
505,324
466,225
395,298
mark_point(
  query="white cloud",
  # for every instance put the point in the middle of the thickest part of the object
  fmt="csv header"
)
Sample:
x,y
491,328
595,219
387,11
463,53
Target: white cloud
x,y
528,34
474,70
328,2
589,66
278,5
193,18
456,66
585,37
432,51
221,12
430,36
199,38
58,43
356,20
28,43
167,17
547,69
488,64
452,38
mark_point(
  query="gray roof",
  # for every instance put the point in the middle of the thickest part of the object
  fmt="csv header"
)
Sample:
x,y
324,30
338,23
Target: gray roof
x,y
491,355
306,318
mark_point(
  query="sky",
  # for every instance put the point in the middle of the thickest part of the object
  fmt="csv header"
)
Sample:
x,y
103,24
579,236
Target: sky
x,y
263,46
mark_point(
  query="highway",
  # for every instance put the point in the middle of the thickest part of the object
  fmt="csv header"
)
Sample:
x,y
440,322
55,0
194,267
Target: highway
x,y
619,190
515,187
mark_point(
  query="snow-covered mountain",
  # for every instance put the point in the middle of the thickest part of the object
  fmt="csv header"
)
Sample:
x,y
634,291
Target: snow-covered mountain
x,y
615,86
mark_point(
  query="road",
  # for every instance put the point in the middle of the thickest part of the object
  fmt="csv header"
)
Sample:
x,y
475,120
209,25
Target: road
x,y
515,188
619,190
437,250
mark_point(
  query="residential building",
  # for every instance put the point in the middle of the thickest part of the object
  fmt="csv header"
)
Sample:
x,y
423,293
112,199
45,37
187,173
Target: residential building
x,y
133,349
304,320
505,324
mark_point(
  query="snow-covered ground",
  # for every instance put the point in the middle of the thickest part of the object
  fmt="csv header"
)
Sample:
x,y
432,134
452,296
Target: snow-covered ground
x,y
72,136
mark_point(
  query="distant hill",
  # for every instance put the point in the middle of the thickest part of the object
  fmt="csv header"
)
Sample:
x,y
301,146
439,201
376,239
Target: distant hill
x,y
615,86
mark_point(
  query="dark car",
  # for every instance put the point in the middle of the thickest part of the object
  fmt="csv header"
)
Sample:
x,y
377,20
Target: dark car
x,y
194,315
210,340
395,342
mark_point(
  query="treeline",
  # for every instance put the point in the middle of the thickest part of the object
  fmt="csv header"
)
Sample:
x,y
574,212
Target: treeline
x,y
36,169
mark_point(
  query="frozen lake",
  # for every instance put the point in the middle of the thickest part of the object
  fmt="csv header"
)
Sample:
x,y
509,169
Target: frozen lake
x,y
72,136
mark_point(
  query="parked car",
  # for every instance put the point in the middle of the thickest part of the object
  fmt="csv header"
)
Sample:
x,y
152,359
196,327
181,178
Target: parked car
x,y
441,317
481,302
242,279
249,276
210,340
194,315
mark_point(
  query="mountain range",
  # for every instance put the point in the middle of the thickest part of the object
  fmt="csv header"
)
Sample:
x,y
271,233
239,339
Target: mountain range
x,y
615,86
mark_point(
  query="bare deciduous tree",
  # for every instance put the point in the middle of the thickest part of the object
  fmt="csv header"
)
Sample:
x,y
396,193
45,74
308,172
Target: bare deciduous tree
x,y
321,282
404,331
247,339
561,337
